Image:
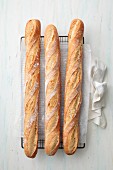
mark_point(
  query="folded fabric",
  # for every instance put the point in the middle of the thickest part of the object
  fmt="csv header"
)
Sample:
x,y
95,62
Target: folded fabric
x,y
98,88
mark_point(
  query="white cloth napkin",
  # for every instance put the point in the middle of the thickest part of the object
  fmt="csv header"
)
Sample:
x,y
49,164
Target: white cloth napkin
x,y
98,88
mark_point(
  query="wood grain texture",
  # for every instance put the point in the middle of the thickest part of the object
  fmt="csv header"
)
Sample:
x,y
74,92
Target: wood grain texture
x,y
98,20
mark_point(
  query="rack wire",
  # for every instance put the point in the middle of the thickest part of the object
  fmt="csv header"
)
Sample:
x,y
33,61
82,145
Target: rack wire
x,y
41,142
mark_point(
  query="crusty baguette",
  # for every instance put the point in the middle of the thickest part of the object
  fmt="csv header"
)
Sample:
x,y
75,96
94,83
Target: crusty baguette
x,y
52,90
73,87
32,86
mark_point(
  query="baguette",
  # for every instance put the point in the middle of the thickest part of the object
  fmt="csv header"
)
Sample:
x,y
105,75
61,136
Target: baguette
x,y
73,87
52,90
32,86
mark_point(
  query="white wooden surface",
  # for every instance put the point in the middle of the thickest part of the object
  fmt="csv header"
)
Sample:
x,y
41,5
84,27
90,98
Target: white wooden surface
x,y
98,18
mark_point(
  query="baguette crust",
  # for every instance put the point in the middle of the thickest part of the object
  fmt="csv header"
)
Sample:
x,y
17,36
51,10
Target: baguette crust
x,y
32,86
73,87
52,90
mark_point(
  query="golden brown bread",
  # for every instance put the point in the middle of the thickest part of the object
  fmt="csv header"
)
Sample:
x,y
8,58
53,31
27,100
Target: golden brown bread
x,y
73,87
52,90
32,86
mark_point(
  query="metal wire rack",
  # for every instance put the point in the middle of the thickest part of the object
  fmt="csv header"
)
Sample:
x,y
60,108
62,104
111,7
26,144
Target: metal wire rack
x,y
41,142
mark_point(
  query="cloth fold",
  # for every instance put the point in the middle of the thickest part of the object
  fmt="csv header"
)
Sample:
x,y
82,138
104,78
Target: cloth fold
x,y
98,88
